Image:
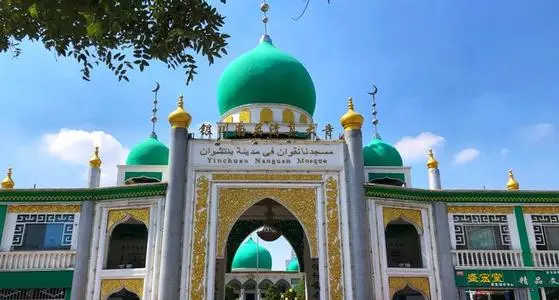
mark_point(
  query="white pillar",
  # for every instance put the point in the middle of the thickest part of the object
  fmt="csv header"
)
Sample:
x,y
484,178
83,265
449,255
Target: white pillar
x,y
243,294
433,172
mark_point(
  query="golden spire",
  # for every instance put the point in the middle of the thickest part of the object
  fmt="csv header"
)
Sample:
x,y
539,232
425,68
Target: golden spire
x,y
432,163
351,120
512,184
180,118
95,161
8,182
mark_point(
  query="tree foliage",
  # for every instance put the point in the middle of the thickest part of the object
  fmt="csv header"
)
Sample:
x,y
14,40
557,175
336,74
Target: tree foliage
x,y
120,34
273,293
300,289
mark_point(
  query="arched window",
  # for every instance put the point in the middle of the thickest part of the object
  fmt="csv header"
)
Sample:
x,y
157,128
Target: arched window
x,y
287,116
266,115
228,119
389,181
408,294
142,179
244,115
127,246
403,246
233,290
123,295
283,285
303,119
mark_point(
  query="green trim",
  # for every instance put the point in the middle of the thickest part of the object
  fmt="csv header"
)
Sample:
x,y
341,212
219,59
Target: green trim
x,y
68,294
398,176
479,196
523,235
36,279
83,194
3,211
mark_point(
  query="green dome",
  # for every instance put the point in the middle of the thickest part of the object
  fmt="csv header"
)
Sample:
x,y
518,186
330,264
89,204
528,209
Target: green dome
x,y
379,153
149,152
248,254
266,75
293,265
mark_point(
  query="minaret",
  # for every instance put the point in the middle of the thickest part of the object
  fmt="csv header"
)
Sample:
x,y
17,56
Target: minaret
x,y
357,212
171,250
433,172
8,183
512,184
85,232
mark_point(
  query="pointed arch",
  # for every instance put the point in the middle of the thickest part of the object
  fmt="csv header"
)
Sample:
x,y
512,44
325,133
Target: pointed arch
x,y
266,115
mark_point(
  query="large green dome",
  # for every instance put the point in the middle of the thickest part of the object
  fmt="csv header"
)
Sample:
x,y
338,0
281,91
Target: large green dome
x,y
266,75
379,153
149,152
252,256
293,265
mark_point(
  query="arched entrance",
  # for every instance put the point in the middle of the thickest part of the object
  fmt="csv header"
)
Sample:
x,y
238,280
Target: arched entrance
x,y
408,294
403,245
123,294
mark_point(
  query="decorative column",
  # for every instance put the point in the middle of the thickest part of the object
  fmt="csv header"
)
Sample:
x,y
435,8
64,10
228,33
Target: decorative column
x,y
444,251
433,172
85,231
171,252
359,240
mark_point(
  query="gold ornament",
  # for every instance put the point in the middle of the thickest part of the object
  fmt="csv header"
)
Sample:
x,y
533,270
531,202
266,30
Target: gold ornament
x,y
180,118
512,184
95,161
199,240
240,130
543,210
36,209
420,284
480,209
258,130
334,241
351,120
432,163
265,177
118,215
110,286
390,214
8,182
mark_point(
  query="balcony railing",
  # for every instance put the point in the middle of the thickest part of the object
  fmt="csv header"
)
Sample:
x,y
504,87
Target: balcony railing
x,y
28,260
546,259
488,258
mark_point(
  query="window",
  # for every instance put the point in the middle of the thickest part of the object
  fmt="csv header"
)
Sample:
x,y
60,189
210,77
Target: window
x,y
484,237
403,247
128,246
551,238
43,232
33,294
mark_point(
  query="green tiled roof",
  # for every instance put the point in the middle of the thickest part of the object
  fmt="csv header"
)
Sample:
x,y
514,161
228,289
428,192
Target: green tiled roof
x,y
82,194
481,196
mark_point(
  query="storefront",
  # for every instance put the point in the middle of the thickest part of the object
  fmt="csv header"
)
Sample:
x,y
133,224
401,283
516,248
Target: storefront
x,y
508,284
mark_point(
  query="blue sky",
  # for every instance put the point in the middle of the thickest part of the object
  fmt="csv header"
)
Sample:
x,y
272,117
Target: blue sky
x,y
477,77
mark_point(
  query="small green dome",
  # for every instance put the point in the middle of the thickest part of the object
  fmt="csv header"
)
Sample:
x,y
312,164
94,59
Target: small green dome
x,y
379,153
252,256
266,75
293,265
149,152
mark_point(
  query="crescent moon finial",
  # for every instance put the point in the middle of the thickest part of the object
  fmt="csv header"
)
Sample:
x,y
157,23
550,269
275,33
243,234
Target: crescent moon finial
x,y
374,92
156,89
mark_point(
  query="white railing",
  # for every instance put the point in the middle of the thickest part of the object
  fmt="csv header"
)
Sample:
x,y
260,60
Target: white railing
x,y
488,258
26,260
546,259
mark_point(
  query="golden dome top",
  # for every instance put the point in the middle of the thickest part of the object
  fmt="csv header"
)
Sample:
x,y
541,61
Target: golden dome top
x,y
351,120
432,163
8,182
180,118
95,161
512,184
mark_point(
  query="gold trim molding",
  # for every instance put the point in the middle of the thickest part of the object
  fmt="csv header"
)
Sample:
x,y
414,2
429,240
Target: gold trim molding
x,y
544,210
35,209
390,214
233,202
481,209
420,284
334,242
118,215
265,177
110,286
199,240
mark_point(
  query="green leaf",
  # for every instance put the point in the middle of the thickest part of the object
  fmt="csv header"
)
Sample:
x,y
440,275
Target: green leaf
x,y
33,11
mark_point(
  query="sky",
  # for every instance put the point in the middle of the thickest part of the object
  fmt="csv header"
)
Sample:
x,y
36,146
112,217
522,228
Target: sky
x,y
476,81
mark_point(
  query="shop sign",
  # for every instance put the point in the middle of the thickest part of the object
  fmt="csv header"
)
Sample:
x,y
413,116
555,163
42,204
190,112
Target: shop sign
x,y
507,278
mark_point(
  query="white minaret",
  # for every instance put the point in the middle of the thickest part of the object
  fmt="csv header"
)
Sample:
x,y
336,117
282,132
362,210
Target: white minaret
x,y
433,172
94,170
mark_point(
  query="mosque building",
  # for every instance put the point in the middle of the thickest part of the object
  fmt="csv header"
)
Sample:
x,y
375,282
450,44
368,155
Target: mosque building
x,y
176,222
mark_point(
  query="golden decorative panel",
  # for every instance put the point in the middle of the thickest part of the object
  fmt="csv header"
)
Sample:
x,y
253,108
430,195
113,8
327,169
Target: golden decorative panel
x,y
233,202
118,215
480,209
35,209
265,177
420,284
390,214
540,210
334,242
199,240
266,115
110,286
303,119
287,116
228,119
244,115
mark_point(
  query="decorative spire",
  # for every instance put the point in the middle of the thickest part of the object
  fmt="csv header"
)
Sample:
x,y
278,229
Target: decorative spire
x,y
154,110
512,184
95,161
351,120
8,182
375,120
179,118
432,163
264,7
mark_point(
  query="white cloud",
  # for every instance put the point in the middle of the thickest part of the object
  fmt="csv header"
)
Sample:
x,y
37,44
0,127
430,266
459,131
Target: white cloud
x,y
413,148
466,155
538,132
505,152
76,146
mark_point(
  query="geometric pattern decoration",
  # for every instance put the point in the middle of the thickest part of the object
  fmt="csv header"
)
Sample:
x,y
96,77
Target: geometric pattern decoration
x,y
33,294
67,220
110,286
539,222
118,215
199,240
18,209
411,215
420,284
334,243
464,220
480,209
